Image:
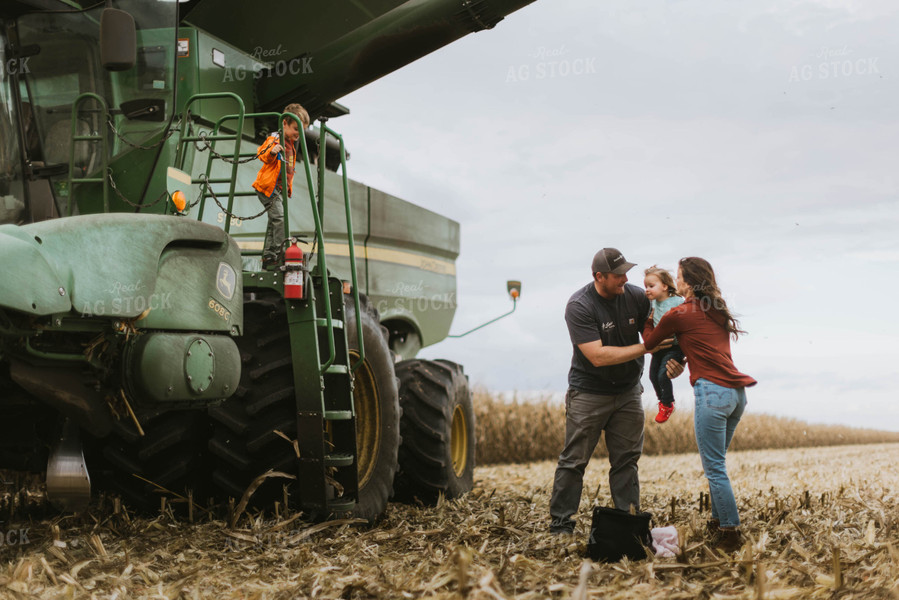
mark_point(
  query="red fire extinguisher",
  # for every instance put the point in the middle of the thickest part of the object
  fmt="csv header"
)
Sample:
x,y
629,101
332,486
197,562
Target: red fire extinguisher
x,y
293,271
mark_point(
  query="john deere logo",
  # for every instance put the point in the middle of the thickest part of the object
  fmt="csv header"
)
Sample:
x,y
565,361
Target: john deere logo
x,y
225,281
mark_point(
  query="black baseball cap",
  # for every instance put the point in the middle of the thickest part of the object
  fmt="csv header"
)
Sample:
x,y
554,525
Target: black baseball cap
x,y
610,260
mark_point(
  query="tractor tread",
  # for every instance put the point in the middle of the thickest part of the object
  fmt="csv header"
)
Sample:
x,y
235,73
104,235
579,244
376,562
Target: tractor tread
x,y
430,392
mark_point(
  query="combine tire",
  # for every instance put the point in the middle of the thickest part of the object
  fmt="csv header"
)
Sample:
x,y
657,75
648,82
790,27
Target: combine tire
x,y
438,429
377,406
170,457
245,444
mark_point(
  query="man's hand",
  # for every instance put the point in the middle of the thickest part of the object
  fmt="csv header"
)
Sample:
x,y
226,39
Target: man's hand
x,y
603,356
663,345
674,368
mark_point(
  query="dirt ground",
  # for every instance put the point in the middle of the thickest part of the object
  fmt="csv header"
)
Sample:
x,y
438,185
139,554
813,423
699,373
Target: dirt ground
x,y
820,523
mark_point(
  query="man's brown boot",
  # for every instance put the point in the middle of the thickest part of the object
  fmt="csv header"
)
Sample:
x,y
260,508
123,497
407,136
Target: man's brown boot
x,y
730,541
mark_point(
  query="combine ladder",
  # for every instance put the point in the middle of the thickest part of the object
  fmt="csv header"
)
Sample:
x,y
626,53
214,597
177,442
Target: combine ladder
x,y
95,137
323,376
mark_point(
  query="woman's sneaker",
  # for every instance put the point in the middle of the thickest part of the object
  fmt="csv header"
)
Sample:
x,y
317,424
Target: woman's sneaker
x,y
664,412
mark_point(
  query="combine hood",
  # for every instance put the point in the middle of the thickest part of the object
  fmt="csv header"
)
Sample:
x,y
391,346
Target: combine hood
x,y
92,261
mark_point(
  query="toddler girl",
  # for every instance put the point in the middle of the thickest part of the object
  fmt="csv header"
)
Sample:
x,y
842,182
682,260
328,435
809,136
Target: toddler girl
x,y
660,289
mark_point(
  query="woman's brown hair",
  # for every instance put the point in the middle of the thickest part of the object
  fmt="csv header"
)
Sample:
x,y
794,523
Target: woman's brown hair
x,y
697,273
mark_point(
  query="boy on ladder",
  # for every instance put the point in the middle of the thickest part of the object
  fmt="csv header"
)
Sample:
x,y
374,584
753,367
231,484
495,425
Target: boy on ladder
x,y
268,182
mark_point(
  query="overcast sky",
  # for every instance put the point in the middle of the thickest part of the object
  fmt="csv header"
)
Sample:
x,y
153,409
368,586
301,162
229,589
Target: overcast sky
x,y
760,135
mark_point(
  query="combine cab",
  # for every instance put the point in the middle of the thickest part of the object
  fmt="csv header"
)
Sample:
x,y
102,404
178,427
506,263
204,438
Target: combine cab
x,y
143,349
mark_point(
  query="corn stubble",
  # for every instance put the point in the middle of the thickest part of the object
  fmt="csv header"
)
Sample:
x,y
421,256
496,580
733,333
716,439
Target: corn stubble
x,y
819,522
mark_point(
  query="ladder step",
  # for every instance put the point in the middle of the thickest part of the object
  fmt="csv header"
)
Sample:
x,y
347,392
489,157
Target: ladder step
x,y
335,323
338,460
337,415
341,505
338,369
208,138
253,193
89,180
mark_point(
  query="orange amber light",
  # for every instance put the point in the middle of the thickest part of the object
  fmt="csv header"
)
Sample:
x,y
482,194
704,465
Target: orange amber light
x,y
179,200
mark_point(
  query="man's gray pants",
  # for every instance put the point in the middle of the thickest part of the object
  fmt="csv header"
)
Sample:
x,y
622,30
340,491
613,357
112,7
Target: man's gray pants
x,y
274,231
587,416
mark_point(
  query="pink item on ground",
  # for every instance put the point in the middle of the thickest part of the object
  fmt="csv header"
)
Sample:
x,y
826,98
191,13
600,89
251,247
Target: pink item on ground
x,y
664,541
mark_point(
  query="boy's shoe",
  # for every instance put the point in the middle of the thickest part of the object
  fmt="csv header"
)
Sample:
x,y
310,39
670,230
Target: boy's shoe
x,y
664,413
270,264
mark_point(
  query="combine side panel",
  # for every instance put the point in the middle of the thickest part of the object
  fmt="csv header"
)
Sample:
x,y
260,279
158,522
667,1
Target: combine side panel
x,y
411,255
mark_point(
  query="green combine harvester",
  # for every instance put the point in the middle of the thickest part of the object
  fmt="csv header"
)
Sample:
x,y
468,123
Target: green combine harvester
x,y
143,349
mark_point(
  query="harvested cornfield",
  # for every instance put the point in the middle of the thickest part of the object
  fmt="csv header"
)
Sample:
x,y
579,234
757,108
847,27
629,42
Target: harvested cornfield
x,y
524,431
820,523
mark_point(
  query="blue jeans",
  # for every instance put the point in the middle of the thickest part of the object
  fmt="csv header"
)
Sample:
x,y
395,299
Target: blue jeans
x,y
587,416
718,410
658,373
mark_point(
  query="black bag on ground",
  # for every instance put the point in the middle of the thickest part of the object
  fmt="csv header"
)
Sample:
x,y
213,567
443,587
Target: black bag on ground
x,y
617,533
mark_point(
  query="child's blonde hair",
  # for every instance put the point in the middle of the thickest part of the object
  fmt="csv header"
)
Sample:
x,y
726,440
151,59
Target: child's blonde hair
x,y
665,277
299,111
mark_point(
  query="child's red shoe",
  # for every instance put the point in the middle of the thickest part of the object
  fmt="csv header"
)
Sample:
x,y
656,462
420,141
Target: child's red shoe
x,y
664,413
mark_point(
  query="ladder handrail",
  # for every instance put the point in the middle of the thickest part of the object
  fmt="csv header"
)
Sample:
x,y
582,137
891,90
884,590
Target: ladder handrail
x,y
185,122
87,138
184,139
351,238
319,236
238,140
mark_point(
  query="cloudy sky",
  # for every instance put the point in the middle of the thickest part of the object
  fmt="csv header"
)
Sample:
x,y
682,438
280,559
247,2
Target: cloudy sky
x,y
762,136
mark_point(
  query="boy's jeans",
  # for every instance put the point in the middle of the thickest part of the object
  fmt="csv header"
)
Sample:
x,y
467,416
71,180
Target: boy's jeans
x,y
587,415
718,410
274,232
658,374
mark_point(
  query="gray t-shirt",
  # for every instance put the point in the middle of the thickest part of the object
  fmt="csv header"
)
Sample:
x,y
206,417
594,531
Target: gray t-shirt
x,y
617,322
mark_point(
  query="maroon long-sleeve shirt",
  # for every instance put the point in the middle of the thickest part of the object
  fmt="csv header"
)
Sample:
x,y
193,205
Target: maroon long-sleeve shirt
x,y
704,340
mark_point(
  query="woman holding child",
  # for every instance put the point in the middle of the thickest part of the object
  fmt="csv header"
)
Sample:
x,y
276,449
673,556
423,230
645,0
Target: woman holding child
x,y
703,325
